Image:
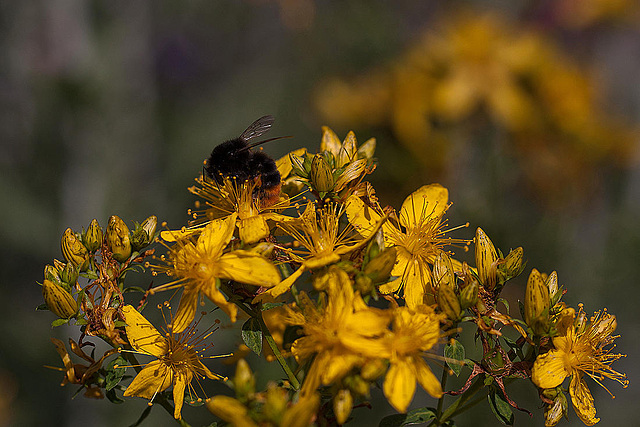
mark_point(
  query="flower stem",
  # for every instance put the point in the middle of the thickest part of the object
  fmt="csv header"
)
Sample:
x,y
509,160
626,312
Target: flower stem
x,y
276,351
458,406
443,383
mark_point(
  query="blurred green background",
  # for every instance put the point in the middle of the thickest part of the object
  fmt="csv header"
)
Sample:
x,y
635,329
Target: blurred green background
x,y
528,111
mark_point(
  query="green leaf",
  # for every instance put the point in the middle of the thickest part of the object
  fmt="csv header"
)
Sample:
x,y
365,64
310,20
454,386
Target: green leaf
x,y
144,415
417,416
501,409
113,397
42,307
252,335
59,322
81,322
115,372
454,352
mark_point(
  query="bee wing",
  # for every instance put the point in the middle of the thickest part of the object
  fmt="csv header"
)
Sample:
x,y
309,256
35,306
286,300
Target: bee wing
x,y
257,128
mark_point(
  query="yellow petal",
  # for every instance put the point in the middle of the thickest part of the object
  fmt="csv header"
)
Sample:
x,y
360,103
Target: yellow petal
x,y
284,163
549,369
415,279
175,235
347,150
338,366
213,293
361,216
582,400
217,235
154,378
281,287
180,384
390,287
427,380
142,335
253,229
186,310
330,141
400,385
366,150
428,201
486,257
248,267
323,260
353,171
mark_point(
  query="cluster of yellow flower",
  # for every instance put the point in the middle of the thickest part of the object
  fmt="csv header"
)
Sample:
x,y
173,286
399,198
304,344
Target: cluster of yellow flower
x,y
383,289
476,80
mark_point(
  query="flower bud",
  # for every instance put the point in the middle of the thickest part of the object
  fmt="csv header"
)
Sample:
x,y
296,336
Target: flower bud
x,y
244,381
536,303
73,250
298,164
230,410
379,268
351,172
552,285
448,302
555,411
486,258
342,405
321,176
513,262
469,295
143,234
118,238
92,238
364,284
69,274
443,270
58,300
52,274
357,385
275,404
373,369
580,322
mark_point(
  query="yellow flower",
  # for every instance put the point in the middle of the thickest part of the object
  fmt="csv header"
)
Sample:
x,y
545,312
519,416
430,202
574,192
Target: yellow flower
x,y
177,363
198,263
77,373
419,236
322,242
341,333
414,332
231,196
581,349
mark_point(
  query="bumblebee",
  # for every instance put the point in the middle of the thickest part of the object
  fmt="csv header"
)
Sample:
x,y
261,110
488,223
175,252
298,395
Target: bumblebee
x,y
236,159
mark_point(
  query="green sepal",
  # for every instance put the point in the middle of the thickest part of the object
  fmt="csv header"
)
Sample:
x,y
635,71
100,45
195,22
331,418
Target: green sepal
x,y
59,322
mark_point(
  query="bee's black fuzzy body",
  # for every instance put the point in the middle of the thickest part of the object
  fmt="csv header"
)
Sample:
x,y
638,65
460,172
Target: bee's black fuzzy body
x,y
235,158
